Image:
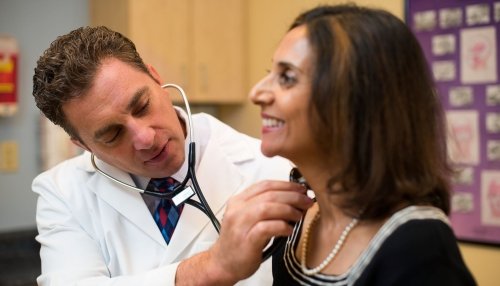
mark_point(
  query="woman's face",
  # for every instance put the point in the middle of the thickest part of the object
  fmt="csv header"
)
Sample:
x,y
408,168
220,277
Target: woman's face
x,y
283,96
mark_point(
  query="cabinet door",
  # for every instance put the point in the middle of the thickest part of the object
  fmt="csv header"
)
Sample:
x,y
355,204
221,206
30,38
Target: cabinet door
x,y
219,33
110,13
161,31
197,44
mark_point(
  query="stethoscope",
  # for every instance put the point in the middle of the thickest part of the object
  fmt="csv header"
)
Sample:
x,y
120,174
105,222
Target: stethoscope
x,y
184,193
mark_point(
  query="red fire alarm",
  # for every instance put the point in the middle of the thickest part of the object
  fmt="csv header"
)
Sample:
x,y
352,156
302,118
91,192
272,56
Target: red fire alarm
x,y
8,75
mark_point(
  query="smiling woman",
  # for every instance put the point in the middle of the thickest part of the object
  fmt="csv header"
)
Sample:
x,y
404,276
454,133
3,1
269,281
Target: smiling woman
x,y
350,101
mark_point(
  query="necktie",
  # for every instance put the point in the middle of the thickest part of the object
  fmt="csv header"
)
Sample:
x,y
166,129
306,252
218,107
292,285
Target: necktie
x,y
166,214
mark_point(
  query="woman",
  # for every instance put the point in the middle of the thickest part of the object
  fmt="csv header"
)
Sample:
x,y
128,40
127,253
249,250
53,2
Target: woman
x,y
350,101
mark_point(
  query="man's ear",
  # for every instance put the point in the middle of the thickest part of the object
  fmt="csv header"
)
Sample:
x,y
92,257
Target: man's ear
x,y
154,73
79,144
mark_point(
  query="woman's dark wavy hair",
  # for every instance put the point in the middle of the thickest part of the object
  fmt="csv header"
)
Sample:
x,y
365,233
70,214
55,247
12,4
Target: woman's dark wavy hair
x,y
67,68
375,111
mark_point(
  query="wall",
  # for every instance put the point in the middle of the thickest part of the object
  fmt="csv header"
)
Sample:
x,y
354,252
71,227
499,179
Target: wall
x,y
268,21
34,24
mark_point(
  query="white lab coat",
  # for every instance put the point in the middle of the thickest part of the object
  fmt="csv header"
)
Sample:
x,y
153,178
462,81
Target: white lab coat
x,y
95,232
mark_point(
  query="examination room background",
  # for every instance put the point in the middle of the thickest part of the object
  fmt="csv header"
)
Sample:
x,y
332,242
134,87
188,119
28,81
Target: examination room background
x,y
35,23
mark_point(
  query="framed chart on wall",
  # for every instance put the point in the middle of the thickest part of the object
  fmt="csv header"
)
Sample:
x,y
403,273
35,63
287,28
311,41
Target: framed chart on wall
x,y
460,41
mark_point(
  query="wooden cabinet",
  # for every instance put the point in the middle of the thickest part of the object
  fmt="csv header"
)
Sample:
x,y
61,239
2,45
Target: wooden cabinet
x,y
197,44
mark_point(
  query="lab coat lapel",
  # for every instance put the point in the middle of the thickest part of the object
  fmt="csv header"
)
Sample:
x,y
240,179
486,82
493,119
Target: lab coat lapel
x,y
128,203
218,183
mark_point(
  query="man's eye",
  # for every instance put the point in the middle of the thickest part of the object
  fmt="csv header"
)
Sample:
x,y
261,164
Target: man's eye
x,y
113,137
143,110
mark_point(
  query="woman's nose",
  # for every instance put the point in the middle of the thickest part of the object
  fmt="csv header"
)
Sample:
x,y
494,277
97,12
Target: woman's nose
x,y
261,93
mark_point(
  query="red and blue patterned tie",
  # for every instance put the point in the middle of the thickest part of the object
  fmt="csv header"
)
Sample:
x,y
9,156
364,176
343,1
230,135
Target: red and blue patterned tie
x,y
166,214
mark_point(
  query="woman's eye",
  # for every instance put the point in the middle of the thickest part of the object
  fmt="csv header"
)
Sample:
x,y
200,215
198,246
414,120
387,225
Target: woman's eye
x,y
287,79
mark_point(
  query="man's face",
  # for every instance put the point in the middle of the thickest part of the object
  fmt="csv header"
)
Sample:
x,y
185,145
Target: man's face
x,y
127,120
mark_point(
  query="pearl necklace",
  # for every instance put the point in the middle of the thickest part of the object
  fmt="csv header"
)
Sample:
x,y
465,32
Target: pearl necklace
x,y
332,254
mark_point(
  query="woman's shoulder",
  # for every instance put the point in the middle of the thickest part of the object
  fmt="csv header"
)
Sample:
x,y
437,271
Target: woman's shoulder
x,y
415,223
415,244
413,232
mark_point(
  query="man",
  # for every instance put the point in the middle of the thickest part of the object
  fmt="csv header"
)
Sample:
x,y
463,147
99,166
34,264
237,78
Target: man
x,y
94,231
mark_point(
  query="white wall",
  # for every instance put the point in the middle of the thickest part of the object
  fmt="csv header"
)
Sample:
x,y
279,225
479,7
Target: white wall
x,y
34,23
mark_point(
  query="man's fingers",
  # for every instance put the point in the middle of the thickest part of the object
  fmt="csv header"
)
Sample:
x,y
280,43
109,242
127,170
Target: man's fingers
x,y
298,200
265,186
253,217
273,211
263,231
272,205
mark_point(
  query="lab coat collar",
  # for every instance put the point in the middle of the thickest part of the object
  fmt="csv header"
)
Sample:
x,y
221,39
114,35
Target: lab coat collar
x,y
181,173
128,202
218,183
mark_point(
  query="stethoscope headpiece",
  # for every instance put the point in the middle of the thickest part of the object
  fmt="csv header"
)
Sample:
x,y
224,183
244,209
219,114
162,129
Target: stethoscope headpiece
x,y
296,177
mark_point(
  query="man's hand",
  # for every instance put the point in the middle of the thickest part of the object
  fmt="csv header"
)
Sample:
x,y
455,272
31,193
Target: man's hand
x,y
251,219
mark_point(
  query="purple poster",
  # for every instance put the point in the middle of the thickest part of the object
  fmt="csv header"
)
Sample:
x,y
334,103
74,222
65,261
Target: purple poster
x,y
460,42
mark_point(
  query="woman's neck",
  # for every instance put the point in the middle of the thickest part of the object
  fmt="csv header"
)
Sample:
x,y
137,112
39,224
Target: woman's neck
x,y
317,177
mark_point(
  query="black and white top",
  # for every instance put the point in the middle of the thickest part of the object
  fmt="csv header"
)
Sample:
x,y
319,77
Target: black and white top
x,y
416,246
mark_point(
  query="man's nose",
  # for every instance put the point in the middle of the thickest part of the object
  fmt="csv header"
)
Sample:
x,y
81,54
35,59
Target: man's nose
x,y
143,136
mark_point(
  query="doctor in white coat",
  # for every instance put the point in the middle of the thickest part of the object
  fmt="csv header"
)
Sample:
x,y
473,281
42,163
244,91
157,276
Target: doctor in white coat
x,y
94,231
